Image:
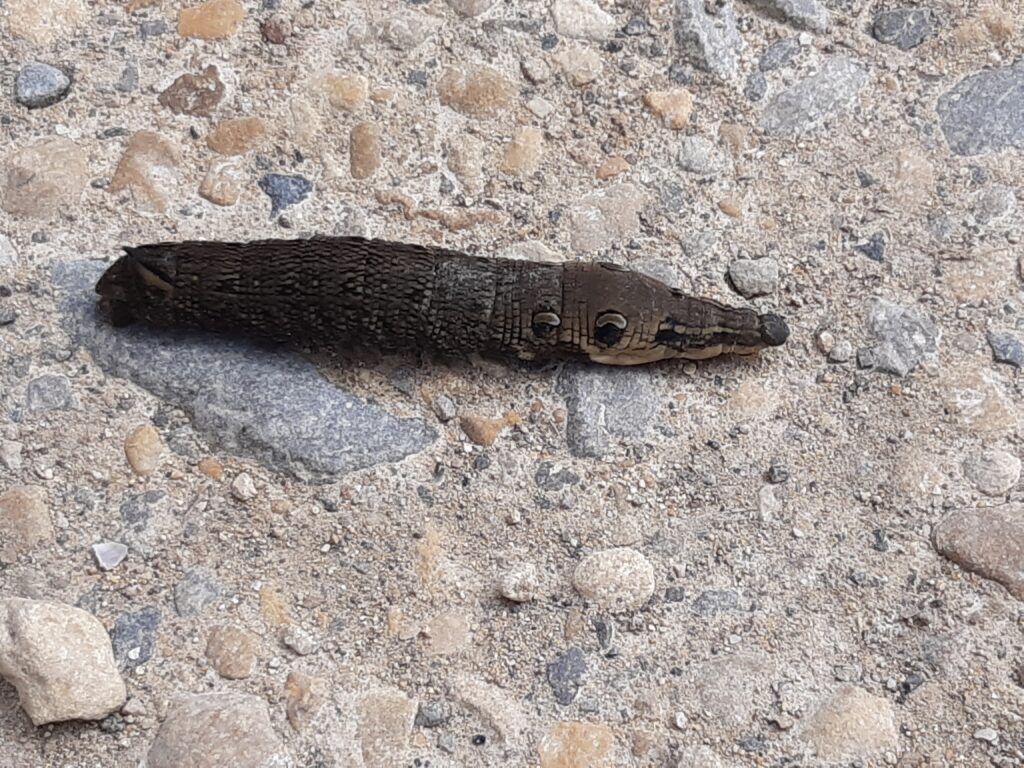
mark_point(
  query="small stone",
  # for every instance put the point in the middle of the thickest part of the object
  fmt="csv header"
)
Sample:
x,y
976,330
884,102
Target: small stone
x,y
523,154
612,167
581,66
364,150
477,92
802,14
482,430
40,85
432,714
10,454
777,55
8,253
994,203
816,98
212,20
873,247
536,70
148,170
128,81
706,37
238,136
993,472
754,277
520,583
842,352
615,579
987,734
730,208
756,87
1006,348
672,107
605,217
276,28
698,155
299,640
583,19
194,94
232,652
304,695
194,592
223,182
243,488
49,392
465,160
143,449
905,28
565,675
906,337
42,22
981,114
711,602
284,191
24,521
551,477
407,31
43,179
851,725
447,633
109,554
346,92
988,541
134,637
444,408
573,744
385,719
59,659
975,397
212,729
212,468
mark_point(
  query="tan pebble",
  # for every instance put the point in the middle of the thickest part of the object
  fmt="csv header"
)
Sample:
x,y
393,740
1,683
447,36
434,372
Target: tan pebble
x,y
575,625
852,725
147,169
42,22
382,95
999,23
385,721
212,468
364,150
612,167
914,177
232,652
223,182
212,20
238,136
523,154
482,430
477,92
580,65
280,506
447,633
43,179
273,607
194,94
276,28
143,449
730,207
572,744
24,521
465,160
736,138
346,92
616,579
672,107
304,695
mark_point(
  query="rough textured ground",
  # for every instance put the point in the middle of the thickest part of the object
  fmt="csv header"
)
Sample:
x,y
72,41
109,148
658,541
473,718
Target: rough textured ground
x,y
811,558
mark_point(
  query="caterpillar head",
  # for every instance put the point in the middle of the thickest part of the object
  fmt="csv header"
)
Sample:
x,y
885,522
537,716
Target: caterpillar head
x,y
138,286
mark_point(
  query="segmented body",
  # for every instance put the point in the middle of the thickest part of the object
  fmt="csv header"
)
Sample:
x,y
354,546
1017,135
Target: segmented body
x,y
345,292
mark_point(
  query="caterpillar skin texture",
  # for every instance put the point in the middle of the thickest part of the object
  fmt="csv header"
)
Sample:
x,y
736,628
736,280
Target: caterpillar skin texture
x,y
345,292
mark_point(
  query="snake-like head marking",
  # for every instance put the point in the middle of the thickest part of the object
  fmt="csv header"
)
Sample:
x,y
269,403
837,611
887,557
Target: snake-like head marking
x,y
138,286
774,330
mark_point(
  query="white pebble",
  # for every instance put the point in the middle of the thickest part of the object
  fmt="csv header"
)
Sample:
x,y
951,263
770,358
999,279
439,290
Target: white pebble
x,y
243,488
109,554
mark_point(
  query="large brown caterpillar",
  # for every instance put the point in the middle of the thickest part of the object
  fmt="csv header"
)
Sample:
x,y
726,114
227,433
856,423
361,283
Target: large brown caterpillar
x,y
341,292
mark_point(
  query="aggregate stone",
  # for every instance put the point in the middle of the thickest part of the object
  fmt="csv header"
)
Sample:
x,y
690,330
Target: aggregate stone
x,y
905,28
981,114
134,636
39,85
285,190
988,541
812,100
607,406
1006,348
802,14
705,39
906,337
565,675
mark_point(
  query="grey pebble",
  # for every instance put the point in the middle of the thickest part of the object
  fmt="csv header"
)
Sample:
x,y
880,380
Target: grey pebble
x,y
802,14
841,352
565,675
133,636
153,28
993,203
300,641
433,714
444,408
714,601
40,85
906,338
756,87
754,277
606,407
873,247
242,398
49,392
129,82
8,315
705,40
1006,348
778,55
905,28
981,113
698,155
550,477
284,190
804,105
196,590
109,554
